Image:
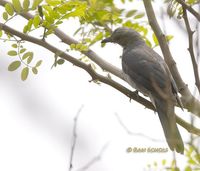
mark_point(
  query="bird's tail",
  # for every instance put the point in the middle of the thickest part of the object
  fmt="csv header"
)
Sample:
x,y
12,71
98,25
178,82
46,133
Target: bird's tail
x,y
168,121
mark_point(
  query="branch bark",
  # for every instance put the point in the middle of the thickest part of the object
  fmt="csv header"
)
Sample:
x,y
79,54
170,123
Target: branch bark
x,y
189,101
191,49
189,8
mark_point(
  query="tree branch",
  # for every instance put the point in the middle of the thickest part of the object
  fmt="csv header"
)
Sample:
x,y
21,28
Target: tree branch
x,y
93,74
74,138
190,49
189,8
189,101
95,159
135,133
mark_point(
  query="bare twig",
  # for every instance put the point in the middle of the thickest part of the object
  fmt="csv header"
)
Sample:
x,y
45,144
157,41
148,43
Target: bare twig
x,y
189,101
134,133
74,138
95,159
190,49
189,8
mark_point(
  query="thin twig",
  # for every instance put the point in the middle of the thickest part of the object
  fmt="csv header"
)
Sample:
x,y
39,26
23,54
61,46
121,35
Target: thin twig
x,y
189,8
95,159
74,138
190,49
134,133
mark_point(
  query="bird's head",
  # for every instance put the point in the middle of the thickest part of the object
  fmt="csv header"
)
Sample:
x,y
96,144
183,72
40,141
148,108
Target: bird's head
x,y
124,36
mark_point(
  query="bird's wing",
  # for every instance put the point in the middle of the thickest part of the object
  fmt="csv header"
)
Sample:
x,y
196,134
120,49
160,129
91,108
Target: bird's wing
x,y
173,83
145,70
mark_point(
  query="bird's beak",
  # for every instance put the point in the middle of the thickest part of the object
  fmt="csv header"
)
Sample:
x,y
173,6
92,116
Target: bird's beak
x,y
108,39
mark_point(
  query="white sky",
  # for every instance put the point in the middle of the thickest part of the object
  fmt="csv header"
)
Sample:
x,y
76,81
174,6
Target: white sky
x,y
36,116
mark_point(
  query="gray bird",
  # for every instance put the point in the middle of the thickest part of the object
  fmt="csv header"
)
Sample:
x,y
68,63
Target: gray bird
x,y
148,73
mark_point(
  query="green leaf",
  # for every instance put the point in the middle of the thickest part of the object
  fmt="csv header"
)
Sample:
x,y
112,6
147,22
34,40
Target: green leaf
x,y
148,43
36,21
131,13
197,157
34,70
73,46
17,5
192,162
83,48
169,37
14,65
164,162
171,10
12,53
22,50
30,58
78,45
38,63
5,15
36,3
53,2
138,16
26,5
29,25
24,73
9,9
1,33
50,31
60,61
14,45
188,168
27,54
155,39
25,30
79,12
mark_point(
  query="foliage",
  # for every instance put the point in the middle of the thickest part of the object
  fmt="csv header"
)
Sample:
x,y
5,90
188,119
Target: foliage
x,y
192,156
95,18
